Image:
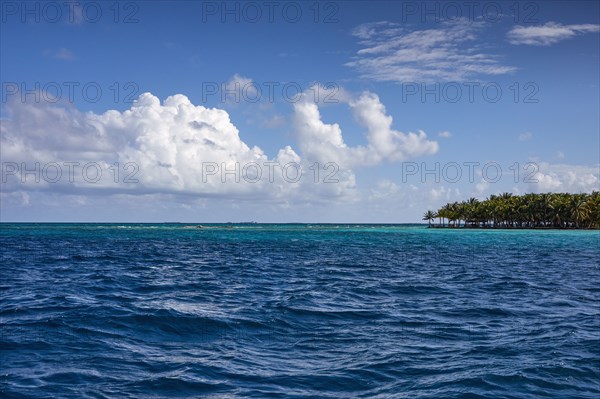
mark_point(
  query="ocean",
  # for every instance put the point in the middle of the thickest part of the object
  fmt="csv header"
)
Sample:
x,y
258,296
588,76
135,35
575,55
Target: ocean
x,y
297,311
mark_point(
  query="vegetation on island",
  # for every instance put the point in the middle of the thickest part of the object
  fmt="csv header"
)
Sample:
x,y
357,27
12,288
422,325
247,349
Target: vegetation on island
x,y
549,210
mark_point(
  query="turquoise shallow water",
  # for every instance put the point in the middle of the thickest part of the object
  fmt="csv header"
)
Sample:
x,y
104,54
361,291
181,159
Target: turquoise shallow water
x,y
298,311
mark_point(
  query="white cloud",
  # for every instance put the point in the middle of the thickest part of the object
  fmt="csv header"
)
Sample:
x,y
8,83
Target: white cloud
x,y
320,141
564,178
525,136
167,142
64,54
441,192
330,93
445,134
547,182
384,189
393,53
547,34
273,121
389,144
61,54
239,89
481,187
324,142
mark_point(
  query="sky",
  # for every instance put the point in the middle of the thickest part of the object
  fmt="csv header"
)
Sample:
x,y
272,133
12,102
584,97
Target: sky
x,y
332,112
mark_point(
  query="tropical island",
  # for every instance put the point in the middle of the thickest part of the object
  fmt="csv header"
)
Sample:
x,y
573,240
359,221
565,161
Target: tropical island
x,y
528,211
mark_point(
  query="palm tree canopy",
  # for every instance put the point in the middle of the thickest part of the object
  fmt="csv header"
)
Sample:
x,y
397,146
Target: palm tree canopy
x,y
547,210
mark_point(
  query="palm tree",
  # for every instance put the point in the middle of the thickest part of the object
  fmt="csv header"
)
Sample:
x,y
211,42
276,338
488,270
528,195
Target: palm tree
x,y
543,207
429,216
594,206
579,210
446,213
471,214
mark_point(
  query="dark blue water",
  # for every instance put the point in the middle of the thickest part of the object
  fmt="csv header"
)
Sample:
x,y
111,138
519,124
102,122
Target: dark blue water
x,y
298,311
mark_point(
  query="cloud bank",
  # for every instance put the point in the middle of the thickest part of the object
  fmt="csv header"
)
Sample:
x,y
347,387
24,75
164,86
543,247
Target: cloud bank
x,y
565,178
176,147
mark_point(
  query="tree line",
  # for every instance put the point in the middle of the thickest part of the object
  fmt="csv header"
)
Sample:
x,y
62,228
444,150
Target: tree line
x,y
548,210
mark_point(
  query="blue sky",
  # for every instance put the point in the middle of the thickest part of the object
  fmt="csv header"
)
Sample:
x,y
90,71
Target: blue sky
x,y
532,69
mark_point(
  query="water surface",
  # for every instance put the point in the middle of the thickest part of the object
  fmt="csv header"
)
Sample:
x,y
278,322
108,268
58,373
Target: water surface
x,y
298,311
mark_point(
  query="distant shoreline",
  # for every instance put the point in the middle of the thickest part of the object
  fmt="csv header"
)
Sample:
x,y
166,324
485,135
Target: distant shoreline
x,y
510,228
546,211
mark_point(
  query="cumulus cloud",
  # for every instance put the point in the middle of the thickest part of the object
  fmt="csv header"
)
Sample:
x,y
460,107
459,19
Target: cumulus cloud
x,y
442,192
548,34
481,187
324,142
564,178
239,89
175,147
393,53
547,182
